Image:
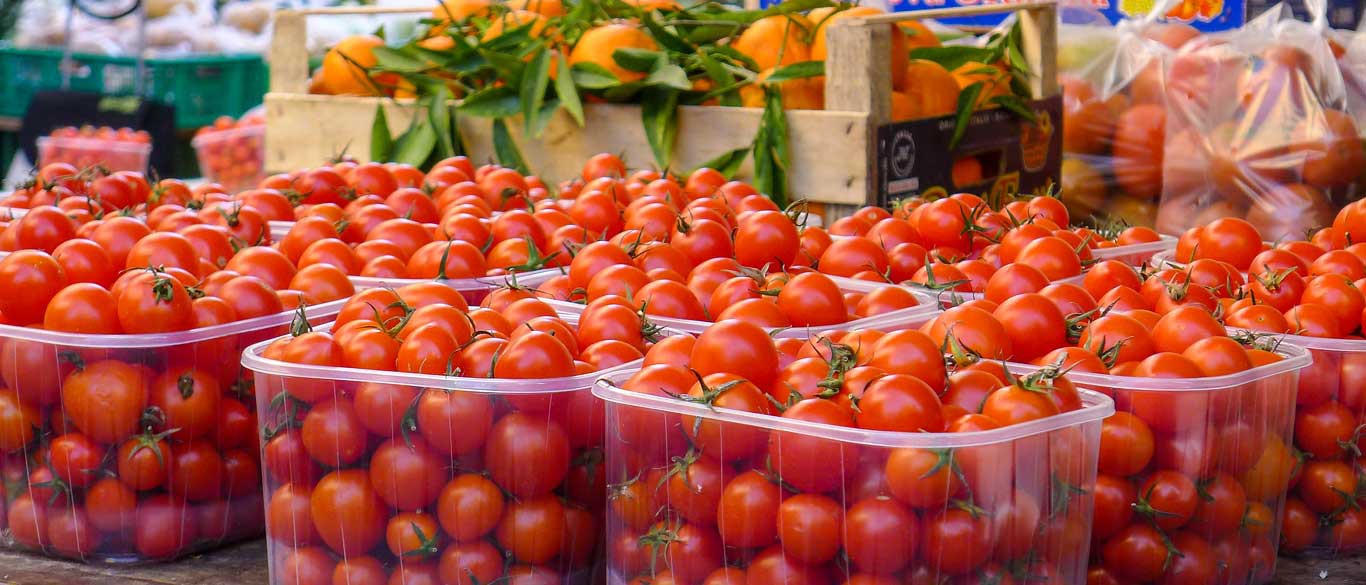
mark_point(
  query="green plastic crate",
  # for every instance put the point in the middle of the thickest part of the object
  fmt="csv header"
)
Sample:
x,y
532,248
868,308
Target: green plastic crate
x,y
201,87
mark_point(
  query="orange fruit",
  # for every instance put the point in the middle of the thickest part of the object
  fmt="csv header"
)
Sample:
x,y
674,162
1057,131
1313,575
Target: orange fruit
x,y
1083,187
343,71
932,90
798,94
1087,127
775,41
542,7
900,51
1147,86
648,5
458,10
437,43
597,45
1333,153
1138,147
918,35
994,78
315,82
967,170
902,107
514,20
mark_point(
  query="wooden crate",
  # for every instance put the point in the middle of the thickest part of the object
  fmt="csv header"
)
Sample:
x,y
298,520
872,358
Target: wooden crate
x,y
832,150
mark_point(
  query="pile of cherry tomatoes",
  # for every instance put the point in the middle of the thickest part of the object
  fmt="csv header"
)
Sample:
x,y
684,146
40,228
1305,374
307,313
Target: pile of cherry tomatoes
x,y
232,152
127,424
459,476
121,149
700,496
1313,290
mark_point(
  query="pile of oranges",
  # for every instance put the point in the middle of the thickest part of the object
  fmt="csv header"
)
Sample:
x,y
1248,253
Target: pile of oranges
x,y
921,88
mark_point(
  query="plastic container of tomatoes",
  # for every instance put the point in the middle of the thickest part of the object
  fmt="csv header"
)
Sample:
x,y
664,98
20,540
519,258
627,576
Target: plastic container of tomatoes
x,y
927,304
466,470
234,157
131,448
115,155
1324,516
915,507
1201,464
1135,254
473,289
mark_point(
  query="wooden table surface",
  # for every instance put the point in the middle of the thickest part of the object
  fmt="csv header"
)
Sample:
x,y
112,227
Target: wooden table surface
x,y
244,564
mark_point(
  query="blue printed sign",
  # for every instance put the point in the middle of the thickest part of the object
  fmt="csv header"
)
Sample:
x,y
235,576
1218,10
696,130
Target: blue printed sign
x,y
1205,15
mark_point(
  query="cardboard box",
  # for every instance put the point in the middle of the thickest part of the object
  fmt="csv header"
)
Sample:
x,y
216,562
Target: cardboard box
x,y
1016,156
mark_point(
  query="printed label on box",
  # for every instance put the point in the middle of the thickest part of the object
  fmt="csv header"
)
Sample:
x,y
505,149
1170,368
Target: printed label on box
x,y
999,156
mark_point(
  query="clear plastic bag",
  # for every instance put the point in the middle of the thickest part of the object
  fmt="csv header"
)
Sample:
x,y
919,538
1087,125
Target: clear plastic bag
x,y
1114,121
1258,125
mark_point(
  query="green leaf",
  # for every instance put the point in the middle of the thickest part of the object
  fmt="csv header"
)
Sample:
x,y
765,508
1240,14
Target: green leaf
x,y
623,92
495,102
709,33
787,7
457,141
967,103
668,75
534,85
441,121
771,155
728,163
1016,105
953,57
509,67
543,117
381,141
398,61
720,78
505,149
593,76
662,35
659,114
565,90
638,60
802,70
415,145
736,56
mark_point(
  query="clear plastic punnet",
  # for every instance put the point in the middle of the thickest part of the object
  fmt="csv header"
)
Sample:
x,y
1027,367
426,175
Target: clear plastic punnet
x,y
1199,467
1135,254
1330,407
132,448
942,299
233,158
470,480
815,503
115,155
928,304
473,289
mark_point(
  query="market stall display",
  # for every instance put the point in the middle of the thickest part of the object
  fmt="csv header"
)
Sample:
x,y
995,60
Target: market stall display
x,y
569,126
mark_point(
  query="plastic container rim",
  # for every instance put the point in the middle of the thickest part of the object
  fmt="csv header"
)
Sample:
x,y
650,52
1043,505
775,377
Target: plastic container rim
x,y
1296,358
1164,243
84,142
254,361
532,279
174,338
228,133
927,304
1095,406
